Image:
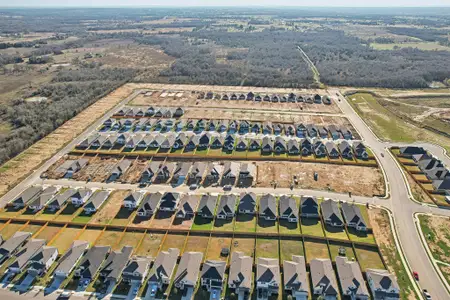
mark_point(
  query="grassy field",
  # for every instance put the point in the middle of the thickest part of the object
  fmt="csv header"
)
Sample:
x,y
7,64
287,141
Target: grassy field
x,y
359,236
66,238
49,232
174,241
427,46
10,229
388,126
335,247
245,223
289,248
267,248
335,232
201,223
110,238
286,227
438,236
90,235
267,226
311,226
216,244
315,249
130,238
368,258
150,245
197,243
224,225
245,245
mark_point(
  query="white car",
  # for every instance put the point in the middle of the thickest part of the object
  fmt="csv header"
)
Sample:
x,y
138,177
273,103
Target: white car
x,y
426,294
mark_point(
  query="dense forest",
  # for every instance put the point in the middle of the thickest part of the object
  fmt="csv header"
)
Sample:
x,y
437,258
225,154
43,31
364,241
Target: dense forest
x,y
68,94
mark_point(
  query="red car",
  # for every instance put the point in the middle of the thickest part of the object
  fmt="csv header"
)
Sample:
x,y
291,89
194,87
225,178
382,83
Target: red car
x,y
416,275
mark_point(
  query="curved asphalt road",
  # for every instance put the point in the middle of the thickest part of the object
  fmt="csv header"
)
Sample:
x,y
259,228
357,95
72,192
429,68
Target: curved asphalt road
x,y
402,207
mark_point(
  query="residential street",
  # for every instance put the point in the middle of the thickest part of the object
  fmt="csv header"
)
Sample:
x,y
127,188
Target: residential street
x,y
403,208
399,202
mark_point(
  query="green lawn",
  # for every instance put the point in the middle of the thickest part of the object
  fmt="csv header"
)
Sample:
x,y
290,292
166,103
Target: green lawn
x,y
66,238
267,248
315,249
334,250
267,226
359,236
150,245
245,245
245,223
286,227
311,226
289,248
335,232
197,243
368,258
224,225
201,223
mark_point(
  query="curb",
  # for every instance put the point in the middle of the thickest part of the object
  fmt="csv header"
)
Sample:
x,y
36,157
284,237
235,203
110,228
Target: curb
x,y
403,258
427,249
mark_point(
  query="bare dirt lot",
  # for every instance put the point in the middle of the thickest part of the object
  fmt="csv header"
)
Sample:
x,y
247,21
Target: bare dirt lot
x,y
98,169
364,181
110,210
14,170
186,96
135,171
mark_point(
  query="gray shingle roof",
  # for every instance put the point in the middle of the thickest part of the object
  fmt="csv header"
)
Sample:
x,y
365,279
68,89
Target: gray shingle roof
x,y
268,270
294,273
322,274
116,262
189,268
71,256
350,276
241,270
214,269
97,199
164,265
27,195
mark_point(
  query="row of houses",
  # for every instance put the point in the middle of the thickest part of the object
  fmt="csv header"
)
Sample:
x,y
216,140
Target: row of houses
x,y
290,97
433,168
149,111
32,256
242,127
37,198
230,173
190,142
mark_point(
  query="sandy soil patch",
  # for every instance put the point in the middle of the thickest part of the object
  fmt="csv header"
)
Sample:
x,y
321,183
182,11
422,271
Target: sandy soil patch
x,y
110,210
365,181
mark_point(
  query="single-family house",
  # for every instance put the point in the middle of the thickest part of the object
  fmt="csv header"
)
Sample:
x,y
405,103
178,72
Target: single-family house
x,y
223,125
181,141
60,199
213,276
136,270
277,128
181,172
39,202
213,173
70,258
244,126
207,206
441,186
289,129
306,147
250,96
351,279
165,172
233,126
334,132
319,148
230,172
301,130
254,144
256,127
241,144
382,284
353,216
346,150
90,264
247,174
323,132
317,99
71,166
332,150
187,272
119,169
116,261
360,150
86,143
149,204
150,171
267,127
228,144
280,145
96,201
292,98
312,130
295,277
268,207
192,143
217,142
187,206
169,201
240,277
288,209
132,199
24,255
42,260
247,203
346,133
80,196
162,269
309,207
268,278
331,213
197,172
227,207
438,173
293,147
323,280
28,195
267,145
204,140
14,243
